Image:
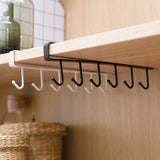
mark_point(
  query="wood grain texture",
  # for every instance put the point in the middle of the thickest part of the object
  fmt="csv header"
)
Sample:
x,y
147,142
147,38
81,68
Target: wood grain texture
x,y
86,17
138,45
122,124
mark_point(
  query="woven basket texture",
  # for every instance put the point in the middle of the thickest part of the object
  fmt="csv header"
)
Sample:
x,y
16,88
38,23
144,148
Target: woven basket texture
x,y
14,147
45,139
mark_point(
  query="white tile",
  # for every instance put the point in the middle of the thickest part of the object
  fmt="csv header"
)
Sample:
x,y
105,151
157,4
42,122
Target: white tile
x,y
38,32
38,42
38,17
59,35
59,22
49,15
59,9
46,41
49,6
38,5
48,34
48,20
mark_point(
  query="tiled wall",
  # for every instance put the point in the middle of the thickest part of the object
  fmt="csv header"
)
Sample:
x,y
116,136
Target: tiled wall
x,y
49,21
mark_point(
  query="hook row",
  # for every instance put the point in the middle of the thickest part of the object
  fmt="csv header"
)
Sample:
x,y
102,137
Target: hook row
x,y
77,83
49,57
60,81
99,79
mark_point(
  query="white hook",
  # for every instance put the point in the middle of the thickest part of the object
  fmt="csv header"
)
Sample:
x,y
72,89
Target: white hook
x,y
11,60
11,64
106,85
76,87
102,90
22,81
59,79
86,89
41,81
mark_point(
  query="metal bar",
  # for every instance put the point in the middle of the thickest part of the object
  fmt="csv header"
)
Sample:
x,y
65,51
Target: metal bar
x,y
69,59
49,57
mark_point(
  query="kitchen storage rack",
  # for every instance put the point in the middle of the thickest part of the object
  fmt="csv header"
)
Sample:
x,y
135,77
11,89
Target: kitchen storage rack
x,y
60,59
122,111
135,46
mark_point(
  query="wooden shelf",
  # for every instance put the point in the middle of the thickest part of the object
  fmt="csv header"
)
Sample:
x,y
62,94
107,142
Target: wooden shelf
x,y
136,45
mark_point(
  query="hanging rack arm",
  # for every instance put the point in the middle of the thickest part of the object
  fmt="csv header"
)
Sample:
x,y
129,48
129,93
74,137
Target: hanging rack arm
x,y
132,80
22,81
81,76
106,85
49,57
91,90
55,57
147,80
46,50
62,77
116,78
76,87
99,77
59,87
41,82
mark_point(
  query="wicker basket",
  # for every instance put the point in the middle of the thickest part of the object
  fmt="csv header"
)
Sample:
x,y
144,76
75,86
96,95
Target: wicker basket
x,y
14,147
45,138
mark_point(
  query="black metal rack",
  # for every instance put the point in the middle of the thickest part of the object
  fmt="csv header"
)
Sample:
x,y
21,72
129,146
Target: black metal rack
x,y
60,59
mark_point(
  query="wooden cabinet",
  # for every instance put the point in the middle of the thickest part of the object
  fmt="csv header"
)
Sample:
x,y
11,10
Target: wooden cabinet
x,y
122,124
86,17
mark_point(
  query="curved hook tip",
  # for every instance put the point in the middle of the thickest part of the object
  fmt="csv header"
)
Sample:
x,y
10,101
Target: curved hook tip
x,y
13,82
114,86
99,76
81,76
78,84
73,80
18,87
116,78
38,89
41,82
132,79
33,85
97,85
57,90
140,83
130,87
147,79
54,80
